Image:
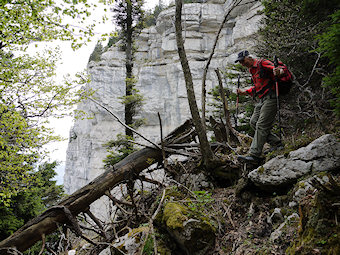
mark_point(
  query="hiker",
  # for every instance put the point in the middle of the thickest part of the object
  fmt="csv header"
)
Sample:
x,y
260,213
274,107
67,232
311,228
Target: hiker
x,y
266,107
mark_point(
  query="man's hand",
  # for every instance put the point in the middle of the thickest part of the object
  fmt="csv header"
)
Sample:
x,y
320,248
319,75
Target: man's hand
x,y
278,71
241,91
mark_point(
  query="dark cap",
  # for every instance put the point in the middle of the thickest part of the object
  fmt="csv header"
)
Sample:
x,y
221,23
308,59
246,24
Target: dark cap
x,y
241,55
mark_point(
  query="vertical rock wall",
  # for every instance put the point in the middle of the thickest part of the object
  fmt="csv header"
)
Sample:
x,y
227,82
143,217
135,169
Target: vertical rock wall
x,y
160,79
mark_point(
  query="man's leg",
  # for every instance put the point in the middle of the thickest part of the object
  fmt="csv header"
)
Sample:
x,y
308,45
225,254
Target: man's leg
x,y
255,116
263,126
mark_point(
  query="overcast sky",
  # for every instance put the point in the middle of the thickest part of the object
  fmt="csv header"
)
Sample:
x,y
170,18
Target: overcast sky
x,y
72,62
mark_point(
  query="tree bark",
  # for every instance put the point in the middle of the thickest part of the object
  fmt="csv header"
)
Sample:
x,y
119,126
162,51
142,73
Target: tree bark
x,y
230,131
80,200
129,65
207,154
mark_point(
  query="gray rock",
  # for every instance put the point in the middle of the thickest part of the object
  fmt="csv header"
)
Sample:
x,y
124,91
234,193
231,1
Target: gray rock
x,y
276,216
323,154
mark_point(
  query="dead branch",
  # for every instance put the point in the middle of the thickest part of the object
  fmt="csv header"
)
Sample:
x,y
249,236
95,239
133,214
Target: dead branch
x,y
117,201
130,187
151,225
43,244
99,224
203,96
121,122
161,131
231,132
145,179
79,201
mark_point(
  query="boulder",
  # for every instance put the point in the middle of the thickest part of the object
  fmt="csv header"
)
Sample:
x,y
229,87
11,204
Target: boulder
x,y
323,154
194,235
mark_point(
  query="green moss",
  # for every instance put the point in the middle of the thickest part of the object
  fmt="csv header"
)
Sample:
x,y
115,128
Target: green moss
x,y
136,231
174,215
302,184
261,170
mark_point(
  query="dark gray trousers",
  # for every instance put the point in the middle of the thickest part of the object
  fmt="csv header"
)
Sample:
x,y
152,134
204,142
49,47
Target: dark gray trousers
x,y
262,122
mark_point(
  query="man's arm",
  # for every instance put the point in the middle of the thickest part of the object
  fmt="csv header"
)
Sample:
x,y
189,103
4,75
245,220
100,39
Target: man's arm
x,y
277,71
246,91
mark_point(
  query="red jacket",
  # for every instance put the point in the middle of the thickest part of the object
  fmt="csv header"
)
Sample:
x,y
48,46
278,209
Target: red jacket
x,y
261,78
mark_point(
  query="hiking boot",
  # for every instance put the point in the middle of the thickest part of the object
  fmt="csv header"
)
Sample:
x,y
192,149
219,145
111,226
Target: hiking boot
x,y
276,147
249,159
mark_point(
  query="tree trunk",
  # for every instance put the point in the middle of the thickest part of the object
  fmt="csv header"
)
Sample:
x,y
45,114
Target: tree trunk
x,y
80,200
129,65
207,154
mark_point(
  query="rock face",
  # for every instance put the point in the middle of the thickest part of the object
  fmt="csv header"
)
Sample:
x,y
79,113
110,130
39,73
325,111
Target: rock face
x,y
160,79
323,154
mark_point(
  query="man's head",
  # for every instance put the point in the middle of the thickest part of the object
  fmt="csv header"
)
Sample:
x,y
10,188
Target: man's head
x,y
244,58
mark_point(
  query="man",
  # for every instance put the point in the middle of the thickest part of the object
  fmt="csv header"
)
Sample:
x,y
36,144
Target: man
x,y
263,76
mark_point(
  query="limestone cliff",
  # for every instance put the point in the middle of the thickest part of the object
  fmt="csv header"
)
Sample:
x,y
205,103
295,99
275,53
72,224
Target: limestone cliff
x,y
160,79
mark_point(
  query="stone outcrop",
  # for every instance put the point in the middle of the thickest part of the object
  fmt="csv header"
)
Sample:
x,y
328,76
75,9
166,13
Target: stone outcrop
x,y
323,154
160,79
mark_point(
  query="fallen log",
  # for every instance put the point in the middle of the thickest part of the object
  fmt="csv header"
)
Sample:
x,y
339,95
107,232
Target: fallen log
x,y
66,211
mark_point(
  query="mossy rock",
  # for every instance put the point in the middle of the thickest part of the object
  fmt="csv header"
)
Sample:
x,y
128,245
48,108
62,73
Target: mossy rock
x,y
174,215
194,236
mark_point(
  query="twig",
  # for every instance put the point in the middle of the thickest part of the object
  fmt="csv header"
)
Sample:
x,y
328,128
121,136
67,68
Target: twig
x,y
117,204
99,224
228,214
203,96
126,126
313,69
49,250
161,130
90,229
173,151
180,184
151,225
225,104
143,178
13,250
43,238
130,188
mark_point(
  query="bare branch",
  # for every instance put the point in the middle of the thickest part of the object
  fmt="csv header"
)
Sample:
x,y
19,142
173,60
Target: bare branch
x,y
203,96
121,122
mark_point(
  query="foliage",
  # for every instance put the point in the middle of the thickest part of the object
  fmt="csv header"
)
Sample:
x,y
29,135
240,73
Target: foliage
x,y
24,22
97,52
152,15
135,101
41,192
113,40
27,83
202,202
18,153
290,31
29,92
118,149
329,46
121,18
287,34
230,76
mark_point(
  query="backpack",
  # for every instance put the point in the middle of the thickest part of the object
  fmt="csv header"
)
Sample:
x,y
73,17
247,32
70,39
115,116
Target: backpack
x,y
285,82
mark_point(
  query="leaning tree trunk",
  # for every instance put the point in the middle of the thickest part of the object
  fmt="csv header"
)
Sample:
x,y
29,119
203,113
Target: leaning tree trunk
x,y
207,154
129,65
80,201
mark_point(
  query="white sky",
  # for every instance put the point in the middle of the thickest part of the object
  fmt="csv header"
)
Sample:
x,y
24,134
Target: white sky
x,y
72,62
